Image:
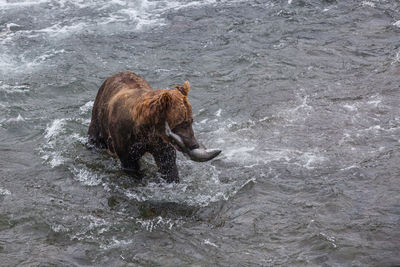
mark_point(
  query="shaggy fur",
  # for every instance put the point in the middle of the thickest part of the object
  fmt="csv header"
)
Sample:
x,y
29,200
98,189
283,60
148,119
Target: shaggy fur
x,y
128,119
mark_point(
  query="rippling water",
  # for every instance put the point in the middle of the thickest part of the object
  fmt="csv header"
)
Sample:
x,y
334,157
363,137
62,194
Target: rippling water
x,y
301,96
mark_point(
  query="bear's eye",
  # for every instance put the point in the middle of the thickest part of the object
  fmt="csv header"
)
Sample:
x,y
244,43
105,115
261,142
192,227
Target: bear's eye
x,y
185,124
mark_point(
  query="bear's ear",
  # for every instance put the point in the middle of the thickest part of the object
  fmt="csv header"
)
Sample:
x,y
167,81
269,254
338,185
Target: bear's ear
x,y
184,89
164,99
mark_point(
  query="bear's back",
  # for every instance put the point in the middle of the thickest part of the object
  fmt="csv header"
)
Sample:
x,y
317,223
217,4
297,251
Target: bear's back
x,y
125,82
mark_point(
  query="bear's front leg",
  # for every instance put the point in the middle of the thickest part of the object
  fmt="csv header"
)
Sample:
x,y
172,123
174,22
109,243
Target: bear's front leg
x,y
131,167
165,157
129,151
129,158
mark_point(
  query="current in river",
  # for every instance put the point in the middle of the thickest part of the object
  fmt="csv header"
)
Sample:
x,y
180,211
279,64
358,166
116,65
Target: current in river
x,y
301,96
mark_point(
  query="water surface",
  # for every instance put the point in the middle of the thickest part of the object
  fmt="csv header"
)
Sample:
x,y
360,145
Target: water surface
x,y
301,96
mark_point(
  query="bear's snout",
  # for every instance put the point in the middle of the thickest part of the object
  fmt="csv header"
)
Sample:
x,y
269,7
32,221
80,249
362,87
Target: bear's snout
x,y
188,139
191,144
185,132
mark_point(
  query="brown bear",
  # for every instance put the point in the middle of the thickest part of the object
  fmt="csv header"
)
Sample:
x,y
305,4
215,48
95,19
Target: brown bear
x,y
129,118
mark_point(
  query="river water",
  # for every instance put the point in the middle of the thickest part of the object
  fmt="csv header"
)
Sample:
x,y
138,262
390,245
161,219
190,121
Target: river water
x,y
301,96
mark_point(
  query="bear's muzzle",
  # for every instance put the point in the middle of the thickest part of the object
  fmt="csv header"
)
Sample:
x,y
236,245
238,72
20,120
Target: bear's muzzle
x,y
196,154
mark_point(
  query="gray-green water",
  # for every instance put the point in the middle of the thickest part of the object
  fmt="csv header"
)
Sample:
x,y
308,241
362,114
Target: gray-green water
x,y
301,96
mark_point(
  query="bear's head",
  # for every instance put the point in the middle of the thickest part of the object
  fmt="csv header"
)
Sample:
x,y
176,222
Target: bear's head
x,y
179,115
171,106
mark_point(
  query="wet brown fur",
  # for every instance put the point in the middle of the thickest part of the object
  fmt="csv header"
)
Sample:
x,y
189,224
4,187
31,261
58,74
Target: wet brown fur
x,y
128,119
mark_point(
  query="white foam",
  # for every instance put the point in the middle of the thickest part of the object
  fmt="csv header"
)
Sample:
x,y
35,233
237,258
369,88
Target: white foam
x,y
218,113
115,244
330,239
9,25
57,29
177,5
86,177
299,112
47,55
311,159
19,118
91,224
368,4
397,23
81,139
266,118
118,2
85,108
4,192
375,102
279,45
158,222
56,159
397,57
208,242
16,89
55,128
96,222
8,5
200,192
374,128
142,18
23,62
58,228
350,107
144,13
240,146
